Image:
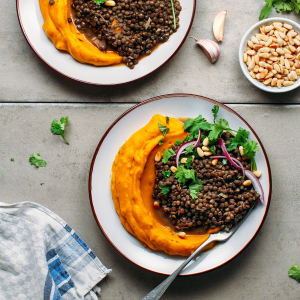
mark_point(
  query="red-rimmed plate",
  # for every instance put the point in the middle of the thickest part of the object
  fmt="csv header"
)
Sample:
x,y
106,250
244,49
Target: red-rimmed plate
x,y
179,105
31,21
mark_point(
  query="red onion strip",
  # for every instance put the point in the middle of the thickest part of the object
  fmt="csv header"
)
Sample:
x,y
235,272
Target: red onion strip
x,y
237,163
180,150
198,139
253,178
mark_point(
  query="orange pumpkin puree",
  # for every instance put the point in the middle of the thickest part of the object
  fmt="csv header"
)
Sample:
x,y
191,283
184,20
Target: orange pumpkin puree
x,y
133,179
66,37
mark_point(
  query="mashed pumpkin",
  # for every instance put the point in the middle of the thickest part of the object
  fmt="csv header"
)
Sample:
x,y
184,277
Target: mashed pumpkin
x,y
132,185
65,36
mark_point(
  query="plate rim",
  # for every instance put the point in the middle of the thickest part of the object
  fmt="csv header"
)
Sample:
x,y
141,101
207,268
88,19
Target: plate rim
x,y
99,84
160,97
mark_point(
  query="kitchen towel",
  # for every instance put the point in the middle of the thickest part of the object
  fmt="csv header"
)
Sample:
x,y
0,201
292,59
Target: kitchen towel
x,y
42,257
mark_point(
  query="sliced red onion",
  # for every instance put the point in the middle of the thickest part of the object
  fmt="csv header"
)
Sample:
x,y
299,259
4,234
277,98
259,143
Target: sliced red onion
x,y
253,178
180,150
198,139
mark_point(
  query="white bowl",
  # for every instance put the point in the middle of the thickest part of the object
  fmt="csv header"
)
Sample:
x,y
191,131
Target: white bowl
x,y
243,46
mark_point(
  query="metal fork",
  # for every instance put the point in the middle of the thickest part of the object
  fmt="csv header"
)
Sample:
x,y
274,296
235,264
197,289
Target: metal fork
x,y
156,293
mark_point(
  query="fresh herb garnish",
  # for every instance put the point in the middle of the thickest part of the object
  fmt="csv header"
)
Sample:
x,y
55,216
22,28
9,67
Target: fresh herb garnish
x,y
195,188
173,12
189,162
167,120
294,272
189,149
35,159
240,139
215,111
224,161
240,177
163,129
160,142
217,129
12,159
60,127
99,2
167,154
183,174
42,183
194,125
213,149
166,173
165,189
178,142
249,152
280,5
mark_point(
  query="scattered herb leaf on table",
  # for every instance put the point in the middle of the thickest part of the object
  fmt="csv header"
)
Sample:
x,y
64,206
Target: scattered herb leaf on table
x,y
35,159
60,127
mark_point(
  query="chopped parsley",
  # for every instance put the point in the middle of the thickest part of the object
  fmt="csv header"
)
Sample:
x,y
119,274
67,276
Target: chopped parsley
x,y
160,142
165,189
166,173
99,2
12,159
215,111
35,159
163,129
195,188
294,272
167,154
60,127
178,142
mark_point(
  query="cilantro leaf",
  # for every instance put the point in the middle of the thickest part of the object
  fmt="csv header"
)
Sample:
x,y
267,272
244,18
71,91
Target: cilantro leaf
x,y
166,173
189,149
35,159
241,138
189,162
193,126
167,120
215,111
250,148
183,174
60,127
165,189
195,188
178,142
281,5
167,154
213,149
12,159
98,2
163,129
265,11
217,130
294,272
160,142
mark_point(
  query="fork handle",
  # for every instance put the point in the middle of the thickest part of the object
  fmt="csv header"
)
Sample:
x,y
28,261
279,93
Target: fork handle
x,y
156,293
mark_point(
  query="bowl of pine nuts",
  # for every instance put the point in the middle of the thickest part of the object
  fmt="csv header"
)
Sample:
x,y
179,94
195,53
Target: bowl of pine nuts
x,y
269,55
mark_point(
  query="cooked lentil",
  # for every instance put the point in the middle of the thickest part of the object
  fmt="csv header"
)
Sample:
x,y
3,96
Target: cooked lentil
x,y
222,201
138,26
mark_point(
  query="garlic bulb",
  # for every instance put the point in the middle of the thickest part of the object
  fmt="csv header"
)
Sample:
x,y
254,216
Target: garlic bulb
x,y
211,49
218,26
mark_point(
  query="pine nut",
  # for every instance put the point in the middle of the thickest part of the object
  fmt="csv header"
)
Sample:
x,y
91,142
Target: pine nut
x,y
247,182
110,3
274,82
181,234
183,160
288,83
207,153
200,152
254,40
268,81
156,204
157,156
204,148
250,44
251,52
173,169
241,149
214,162
257,173
205,142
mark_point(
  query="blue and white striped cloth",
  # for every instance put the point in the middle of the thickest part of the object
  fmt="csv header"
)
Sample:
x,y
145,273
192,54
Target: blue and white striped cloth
x,y
42,257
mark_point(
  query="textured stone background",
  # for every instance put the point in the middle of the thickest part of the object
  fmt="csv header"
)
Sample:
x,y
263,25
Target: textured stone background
x,y
29,96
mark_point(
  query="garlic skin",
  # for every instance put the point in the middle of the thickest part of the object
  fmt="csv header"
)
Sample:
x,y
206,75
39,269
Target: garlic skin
x,y
211,49
218,26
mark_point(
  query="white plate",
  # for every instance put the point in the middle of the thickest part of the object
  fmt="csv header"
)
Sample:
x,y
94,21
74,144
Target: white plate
x,y
179,105
31,21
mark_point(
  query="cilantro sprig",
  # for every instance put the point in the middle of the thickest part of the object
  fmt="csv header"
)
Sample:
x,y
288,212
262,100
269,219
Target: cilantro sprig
x,y
59,127
294,272
163,129
165,189
99,2
215,111
167,154
279,5
35,159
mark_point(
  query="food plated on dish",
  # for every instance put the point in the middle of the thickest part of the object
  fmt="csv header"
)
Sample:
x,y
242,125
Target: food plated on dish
x,y
174,183
109,32
175,105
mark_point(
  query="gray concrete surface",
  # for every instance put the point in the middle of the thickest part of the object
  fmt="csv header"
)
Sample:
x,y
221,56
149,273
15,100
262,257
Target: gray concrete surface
x,y
259,273
25,78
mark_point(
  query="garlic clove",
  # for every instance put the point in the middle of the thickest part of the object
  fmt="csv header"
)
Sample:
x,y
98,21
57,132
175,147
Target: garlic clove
x,y
211,49
218,26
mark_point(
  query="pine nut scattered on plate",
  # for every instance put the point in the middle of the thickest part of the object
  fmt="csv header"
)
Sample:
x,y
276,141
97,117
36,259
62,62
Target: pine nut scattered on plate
x,y
273,55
